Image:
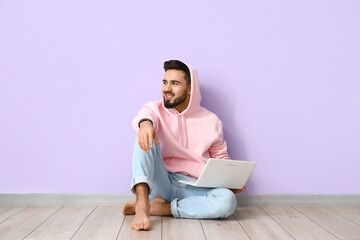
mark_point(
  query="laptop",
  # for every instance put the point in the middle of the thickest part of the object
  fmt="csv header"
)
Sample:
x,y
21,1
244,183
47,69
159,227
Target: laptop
x,y
223,173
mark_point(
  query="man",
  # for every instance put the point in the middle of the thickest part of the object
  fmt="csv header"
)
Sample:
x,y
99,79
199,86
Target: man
x,y
189,135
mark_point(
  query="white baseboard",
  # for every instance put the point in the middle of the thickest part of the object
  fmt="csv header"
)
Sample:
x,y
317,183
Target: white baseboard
x,y
298,200
71,199
51,199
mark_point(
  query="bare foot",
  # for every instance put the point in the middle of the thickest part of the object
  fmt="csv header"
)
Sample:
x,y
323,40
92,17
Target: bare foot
x,y
142,219
129,208
160,207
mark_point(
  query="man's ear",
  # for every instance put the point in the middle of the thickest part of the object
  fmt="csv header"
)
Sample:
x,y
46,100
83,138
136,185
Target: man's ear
x,y
189,91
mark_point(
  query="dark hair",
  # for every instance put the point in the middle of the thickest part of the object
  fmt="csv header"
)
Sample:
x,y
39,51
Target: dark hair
x,y
178,65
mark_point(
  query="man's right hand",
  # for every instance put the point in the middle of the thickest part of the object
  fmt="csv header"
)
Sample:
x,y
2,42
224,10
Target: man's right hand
x,y
147,133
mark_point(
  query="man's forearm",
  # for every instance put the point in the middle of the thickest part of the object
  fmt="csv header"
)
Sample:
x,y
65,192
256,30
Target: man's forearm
x,y
143,120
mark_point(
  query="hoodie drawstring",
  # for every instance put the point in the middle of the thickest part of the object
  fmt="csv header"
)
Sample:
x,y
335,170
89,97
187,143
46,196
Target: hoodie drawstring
x,y
185,131
182,131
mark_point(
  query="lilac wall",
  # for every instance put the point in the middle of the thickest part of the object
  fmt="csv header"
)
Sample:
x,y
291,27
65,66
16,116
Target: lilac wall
x,y
282,75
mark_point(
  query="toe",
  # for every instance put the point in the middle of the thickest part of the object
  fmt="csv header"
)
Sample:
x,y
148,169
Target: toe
x,y
136,227
147,227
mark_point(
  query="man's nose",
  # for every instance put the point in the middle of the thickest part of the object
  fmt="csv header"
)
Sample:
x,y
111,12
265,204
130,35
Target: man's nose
x,y
167,88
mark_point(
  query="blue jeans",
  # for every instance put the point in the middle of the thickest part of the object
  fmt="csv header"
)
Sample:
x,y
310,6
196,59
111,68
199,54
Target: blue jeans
x,y
186,201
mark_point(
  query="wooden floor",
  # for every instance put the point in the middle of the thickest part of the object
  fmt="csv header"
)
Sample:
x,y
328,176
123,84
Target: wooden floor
x,y
270,222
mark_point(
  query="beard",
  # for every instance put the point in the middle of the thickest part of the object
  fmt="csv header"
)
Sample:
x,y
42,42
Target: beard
x,y
176,102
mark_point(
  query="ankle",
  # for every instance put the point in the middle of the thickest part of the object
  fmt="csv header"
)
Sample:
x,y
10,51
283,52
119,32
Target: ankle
x,y
142,202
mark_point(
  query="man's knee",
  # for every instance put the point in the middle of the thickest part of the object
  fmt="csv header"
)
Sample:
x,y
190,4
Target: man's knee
x,y
227,202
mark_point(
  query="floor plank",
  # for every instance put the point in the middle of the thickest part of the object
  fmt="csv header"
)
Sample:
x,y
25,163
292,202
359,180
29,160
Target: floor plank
x,y
333,222
181,228
23,223
62,225
127,233
296,224
104,223
6,212
351,213
259,225
227,228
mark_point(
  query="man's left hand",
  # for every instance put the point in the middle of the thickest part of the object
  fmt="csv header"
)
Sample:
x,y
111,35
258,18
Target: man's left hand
x,y
238,190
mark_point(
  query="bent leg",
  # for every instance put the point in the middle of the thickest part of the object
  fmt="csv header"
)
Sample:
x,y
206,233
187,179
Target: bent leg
x,y
149,168
150,179
203,203
218,203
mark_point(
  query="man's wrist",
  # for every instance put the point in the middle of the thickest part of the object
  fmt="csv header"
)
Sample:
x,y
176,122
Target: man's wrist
x,y
143,120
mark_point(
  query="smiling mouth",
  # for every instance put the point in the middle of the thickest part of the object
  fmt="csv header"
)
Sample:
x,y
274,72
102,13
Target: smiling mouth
x,y
168,96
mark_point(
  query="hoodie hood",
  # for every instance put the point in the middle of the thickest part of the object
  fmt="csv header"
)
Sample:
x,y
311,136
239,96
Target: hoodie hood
x,y
195,97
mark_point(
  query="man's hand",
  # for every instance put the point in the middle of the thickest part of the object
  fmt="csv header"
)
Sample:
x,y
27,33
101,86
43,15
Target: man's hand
x,y
147,133
238,190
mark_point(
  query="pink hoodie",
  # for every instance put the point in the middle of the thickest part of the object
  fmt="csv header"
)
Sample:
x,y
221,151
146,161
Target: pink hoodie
x,y
187,139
